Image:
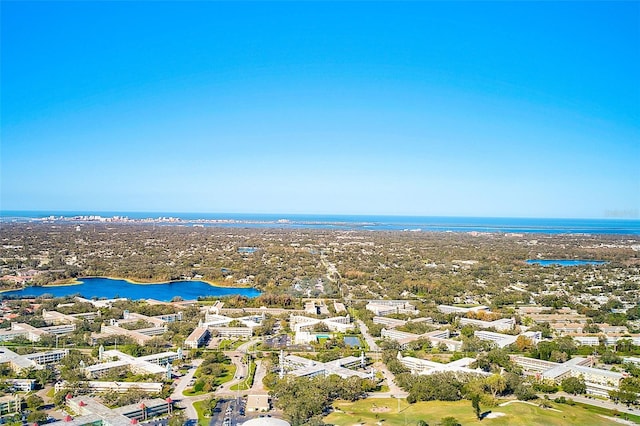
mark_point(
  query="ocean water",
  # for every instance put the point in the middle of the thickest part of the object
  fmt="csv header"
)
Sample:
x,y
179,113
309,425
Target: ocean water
x,y
351,222
112,288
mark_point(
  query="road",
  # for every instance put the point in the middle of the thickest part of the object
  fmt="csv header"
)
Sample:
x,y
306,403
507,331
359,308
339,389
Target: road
x,y
187,401
242,369
394,390
258,387
373,347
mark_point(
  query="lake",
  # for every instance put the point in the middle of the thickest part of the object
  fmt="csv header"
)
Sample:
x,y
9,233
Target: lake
x,y
564,262
111,288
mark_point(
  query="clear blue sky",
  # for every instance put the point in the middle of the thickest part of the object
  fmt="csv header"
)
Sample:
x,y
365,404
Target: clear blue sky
x,y
421,108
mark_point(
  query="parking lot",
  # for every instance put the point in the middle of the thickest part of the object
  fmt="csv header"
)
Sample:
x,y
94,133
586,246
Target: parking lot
x,y
229,412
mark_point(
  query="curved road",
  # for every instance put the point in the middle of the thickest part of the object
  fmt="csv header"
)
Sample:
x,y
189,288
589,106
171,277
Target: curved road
x,y
223,390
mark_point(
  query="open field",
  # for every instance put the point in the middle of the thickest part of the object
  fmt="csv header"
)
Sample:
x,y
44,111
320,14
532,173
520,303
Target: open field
x,y
369,412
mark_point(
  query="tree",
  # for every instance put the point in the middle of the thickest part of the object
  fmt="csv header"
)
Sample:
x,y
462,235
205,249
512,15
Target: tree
x,y
574,385
496,384
178,418
37,417
475,403
523,343
34,402
627,392
45,376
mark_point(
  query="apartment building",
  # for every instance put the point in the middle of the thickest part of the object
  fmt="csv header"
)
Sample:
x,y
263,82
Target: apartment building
x,y
423,366
598,381
502,324
197,338
302,323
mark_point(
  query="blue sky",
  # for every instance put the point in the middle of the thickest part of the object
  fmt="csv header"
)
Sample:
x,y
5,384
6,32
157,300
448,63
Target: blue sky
x,y
417,108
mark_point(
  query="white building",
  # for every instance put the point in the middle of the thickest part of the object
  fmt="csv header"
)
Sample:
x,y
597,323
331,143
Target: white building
x,y
423,366
436,337
448,309
598,381
502,324
120,387
148,364
388,307
197,337
303,367
302,323
232,331
35,360
22,330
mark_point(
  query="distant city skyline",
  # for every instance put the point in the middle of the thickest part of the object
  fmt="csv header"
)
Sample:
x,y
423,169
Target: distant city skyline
x,y
498,109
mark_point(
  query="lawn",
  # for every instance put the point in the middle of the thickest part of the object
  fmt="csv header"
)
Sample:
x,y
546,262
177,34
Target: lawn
x,y
200,407
229,345
371,411
230,371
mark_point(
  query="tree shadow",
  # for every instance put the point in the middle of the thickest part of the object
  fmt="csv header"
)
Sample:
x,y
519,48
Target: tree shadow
x,y
485,414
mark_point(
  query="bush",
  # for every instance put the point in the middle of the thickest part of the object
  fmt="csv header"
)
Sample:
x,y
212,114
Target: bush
x,y
449,421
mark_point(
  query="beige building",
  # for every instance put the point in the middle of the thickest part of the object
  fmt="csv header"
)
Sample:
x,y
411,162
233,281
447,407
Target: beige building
x,y
258,403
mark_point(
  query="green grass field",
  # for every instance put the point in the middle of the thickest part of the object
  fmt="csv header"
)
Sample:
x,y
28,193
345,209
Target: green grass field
x,y
230,371
200,406
371,411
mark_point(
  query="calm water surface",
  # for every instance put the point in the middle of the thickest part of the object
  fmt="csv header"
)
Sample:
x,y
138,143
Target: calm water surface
x,y
564,262
110,288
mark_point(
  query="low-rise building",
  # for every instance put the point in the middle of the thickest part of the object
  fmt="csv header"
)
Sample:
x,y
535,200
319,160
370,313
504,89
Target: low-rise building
x,y
302,323
120,387
58,318
197,338
115,330
502,340
35,360
436,337
92,413
598,381
609,339
423,366
10,404
232,331
448,309
148,364
343,367
388,307
22,330
389,322
502,324
22,385
258,403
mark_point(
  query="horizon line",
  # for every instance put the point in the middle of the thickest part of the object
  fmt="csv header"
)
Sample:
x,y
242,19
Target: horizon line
x,y
631,217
